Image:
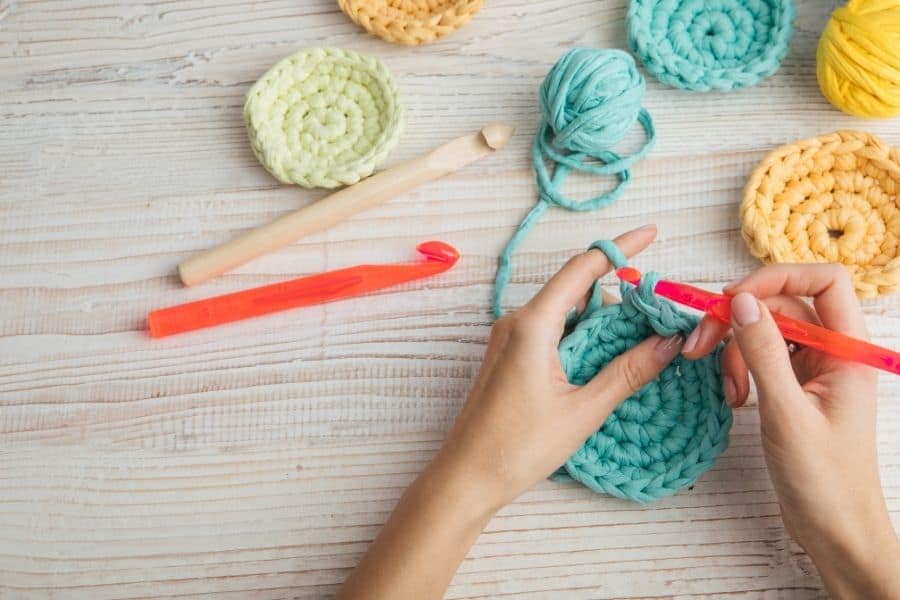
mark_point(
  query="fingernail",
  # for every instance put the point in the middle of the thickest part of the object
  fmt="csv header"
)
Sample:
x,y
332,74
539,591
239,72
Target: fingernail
x,y
691,341
730,390
668,348
645,227
745,309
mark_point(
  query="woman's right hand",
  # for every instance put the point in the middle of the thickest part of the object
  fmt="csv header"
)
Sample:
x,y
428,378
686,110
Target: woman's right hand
x,y
817,420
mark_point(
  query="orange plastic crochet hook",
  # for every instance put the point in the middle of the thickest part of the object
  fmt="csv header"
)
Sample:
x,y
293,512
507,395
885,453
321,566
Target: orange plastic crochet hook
x,y
305,291
809,335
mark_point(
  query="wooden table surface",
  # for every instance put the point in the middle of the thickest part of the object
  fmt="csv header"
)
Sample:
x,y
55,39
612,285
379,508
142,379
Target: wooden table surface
x,y
258,460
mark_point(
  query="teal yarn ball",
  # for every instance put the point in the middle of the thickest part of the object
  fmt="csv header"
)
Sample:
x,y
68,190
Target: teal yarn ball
x,y
589,101
662,438
704,45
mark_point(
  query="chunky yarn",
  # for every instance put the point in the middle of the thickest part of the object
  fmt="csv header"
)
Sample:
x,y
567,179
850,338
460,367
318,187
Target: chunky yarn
x,y
707,45
410,22
589,100
665,436
832,198
323,117
858,60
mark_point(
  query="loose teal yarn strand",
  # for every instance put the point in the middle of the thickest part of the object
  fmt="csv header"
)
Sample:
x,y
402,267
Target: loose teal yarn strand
x,y
589,101
704,45
662,438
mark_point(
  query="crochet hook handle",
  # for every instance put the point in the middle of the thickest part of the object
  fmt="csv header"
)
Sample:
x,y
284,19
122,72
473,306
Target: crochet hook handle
x,y
305,291
837,344
807,334
821,339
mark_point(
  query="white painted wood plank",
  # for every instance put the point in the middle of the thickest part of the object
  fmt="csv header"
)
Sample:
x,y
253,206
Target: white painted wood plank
x,y
260,458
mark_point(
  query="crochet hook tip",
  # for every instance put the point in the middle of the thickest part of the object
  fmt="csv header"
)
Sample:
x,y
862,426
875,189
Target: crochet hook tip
x,y
435,251
629,274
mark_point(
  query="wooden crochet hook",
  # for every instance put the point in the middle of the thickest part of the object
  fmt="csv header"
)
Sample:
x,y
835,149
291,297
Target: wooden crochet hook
x,y
345,203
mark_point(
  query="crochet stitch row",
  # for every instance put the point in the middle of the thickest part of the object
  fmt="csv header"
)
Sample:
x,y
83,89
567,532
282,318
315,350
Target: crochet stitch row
x,y
323,117
410,22
832,198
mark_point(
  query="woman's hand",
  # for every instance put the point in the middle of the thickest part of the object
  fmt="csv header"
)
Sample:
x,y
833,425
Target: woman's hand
x,y
817,419
522,420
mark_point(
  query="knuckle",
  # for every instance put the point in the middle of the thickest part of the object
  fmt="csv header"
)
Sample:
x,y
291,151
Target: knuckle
x,y
519,326
515,323
503,324
524,317
573,260
631,374
839,274
592,261
762,350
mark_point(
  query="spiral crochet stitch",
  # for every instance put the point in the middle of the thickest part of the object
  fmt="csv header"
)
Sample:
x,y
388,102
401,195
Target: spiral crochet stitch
x,y
323,117
832,198
704,45
410,22
589,100
858,59
665,436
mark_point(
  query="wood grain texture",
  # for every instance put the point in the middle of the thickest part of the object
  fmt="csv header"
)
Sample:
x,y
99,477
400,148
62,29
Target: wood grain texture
x,y
259,459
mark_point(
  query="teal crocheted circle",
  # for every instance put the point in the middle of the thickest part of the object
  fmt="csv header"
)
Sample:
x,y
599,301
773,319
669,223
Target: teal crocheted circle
x,y
707,45
665,436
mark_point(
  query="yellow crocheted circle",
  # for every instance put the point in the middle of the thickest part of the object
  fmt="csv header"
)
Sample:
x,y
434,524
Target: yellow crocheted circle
x,y
832,198
323,117
410,22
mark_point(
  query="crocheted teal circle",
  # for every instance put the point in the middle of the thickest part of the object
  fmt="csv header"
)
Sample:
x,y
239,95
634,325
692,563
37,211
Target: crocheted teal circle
x,y
706,45
665,436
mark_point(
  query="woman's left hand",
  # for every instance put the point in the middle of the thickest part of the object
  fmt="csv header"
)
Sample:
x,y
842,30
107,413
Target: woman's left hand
x,y
523,419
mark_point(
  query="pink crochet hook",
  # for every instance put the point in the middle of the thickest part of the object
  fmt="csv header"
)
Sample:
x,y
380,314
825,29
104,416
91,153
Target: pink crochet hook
x,y
825,340
305,291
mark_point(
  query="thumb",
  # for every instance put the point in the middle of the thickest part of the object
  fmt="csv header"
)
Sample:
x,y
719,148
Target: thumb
x,y
763,349
625,375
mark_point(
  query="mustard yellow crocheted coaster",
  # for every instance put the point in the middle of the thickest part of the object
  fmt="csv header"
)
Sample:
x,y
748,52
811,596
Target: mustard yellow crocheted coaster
x,y
831,198
323,117
410,22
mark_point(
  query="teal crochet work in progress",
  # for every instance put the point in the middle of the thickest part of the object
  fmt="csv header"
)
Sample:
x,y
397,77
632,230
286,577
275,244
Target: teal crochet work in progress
x,y
589,101
704,45
661,439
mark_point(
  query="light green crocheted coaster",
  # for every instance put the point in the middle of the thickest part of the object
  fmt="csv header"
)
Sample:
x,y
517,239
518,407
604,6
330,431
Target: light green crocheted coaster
x,y
323,117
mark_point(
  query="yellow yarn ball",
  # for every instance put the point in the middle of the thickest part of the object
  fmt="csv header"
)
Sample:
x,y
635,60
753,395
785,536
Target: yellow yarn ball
x,y
859,58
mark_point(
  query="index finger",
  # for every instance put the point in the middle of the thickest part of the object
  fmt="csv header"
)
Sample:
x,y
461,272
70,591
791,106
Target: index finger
x,y
570,283
828,284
